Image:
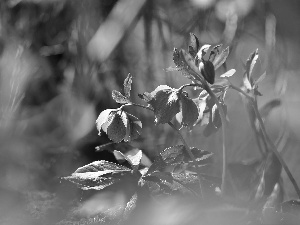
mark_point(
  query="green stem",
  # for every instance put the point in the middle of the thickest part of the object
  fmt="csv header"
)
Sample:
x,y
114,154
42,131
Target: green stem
x,y
191,155
225,180
274,150
266,137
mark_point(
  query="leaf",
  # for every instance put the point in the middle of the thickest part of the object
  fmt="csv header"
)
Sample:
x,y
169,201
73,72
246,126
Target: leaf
x,y
165,104
163,176
177,155
185,178
116,130
215,121
188,111
221,58
201,105
135,160
268,107
127,85
229,73
120,157
119,98
133,128
180,64
98,175
173,154
202,156
260,78
105,117
208,71
158,165
184,182
186,64
194,45
275,197
147,97
290,206
252,62
130,206
272,173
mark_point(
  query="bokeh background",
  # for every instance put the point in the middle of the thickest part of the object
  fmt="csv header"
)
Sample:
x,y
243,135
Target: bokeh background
x,y
60,60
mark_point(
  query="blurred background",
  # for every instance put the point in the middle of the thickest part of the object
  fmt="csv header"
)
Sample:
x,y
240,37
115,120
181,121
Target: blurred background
x,y
60,60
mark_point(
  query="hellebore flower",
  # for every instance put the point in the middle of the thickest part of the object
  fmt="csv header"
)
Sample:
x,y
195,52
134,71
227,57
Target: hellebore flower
x,y
196,64
118,125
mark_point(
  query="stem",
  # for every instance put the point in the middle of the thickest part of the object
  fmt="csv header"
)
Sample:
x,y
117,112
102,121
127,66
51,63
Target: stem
x,y
224,187
274,150
257,133
182,140
189,153
266,137
241,91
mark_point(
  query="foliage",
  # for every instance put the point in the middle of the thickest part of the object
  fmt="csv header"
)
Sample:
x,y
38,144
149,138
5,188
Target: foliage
x,y
176,170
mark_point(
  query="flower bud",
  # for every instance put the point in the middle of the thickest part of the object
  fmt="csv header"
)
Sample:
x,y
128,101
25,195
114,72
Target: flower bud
x,y
207,70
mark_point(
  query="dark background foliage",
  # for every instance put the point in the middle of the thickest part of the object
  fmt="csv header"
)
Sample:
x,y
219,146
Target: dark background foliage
x,y
60,60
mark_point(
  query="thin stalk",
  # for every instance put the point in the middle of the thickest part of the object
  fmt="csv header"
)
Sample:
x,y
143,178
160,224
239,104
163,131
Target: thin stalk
x,y
225,185
191,155
274,150
266,137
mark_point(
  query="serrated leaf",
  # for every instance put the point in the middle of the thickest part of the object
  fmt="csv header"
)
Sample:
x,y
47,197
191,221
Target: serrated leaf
x,y
221,58
105,118
157,165
194,45
189,111
164,176
127,85
119,98
173,155
229,73
185,178
186,64
130,206
116,130
98,175
177,155
180,64
201,156
133,128
165,104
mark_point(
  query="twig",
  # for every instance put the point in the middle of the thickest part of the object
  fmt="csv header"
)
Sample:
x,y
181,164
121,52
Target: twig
x,y
191,155
224,187
274,150
266,137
